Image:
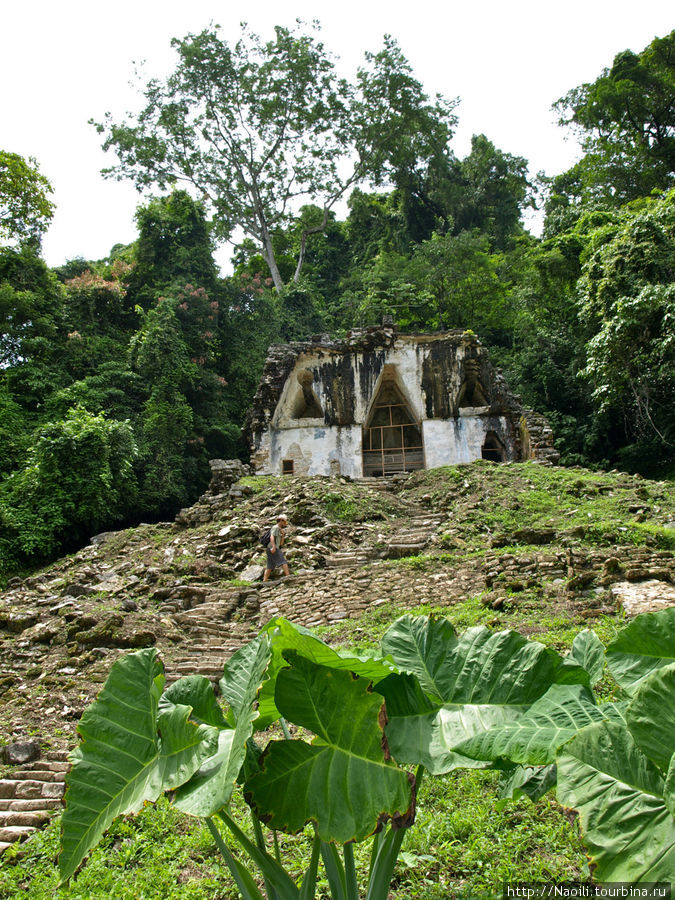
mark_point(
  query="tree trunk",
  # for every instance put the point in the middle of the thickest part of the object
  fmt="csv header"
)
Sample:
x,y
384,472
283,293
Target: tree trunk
x,y
270,259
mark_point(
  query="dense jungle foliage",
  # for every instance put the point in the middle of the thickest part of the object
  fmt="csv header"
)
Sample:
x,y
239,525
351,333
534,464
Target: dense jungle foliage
x,y
121,377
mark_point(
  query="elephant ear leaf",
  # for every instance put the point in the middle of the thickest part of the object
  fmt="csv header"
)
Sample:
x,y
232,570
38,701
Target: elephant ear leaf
x,y
122,760
286,636
670,786
651,716
589,652
348,759
526,781
642,647
210,789
533,739
619,794
420,645
196,692
479,681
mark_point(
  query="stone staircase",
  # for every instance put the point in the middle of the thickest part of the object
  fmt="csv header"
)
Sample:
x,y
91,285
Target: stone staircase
x,y
29,796
217,623
413,537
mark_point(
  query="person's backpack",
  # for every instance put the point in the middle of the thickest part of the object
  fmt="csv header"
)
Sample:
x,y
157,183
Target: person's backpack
x,y
265,537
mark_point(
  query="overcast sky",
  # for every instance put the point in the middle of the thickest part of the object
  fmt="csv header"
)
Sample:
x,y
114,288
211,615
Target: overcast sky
x,y
62,63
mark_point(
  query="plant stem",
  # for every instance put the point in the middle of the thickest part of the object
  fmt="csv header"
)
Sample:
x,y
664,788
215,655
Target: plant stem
x,y
352,884
284,728
308,889
240,873
260,841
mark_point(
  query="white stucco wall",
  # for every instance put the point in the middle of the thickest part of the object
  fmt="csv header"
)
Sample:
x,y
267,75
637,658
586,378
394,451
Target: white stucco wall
x,y
320,449
315,450
451,441
405,358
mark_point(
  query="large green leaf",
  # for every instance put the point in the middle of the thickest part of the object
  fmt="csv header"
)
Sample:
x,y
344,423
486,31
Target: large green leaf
x,y
122,760
344,780
646,644
526,781
196,691
236,685
419,732
670,786
483,679
619,794
534,738
182,746
481,666
421,645
210,789
588,651
651,716
285,636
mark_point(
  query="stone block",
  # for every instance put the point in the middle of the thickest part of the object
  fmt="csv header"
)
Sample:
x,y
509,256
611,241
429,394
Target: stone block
x,y
53,790
21,752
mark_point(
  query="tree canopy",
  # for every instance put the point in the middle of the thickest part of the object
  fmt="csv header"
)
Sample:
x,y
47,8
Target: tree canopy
x,y
25,208
258,127
151,357
626,120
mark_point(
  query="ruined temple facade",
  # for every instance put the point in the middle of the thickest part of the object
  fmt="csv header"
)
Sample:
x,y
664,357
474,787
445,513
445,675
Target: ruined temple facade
x,y
379,402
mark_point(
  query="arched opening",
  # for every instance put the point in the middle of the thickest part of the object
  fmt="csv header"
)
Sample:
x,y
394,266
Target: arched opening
x,y
306,405
472,393
493,449
392,439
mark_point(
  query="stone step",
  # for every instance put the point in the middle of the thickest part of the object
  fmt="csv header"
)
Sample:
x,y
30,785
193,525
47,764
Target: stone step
x,y
28,805
203,658
14,833
404,540
28,789
58,755
346,559
172,678
405,549
199,668
46,775
207,647
50,765
35,819
5,844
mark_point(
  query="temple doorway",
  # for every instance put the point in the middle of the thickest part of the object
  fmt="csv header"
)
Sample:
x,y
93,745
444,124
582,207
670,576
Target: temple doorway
x,y
493,448
392,438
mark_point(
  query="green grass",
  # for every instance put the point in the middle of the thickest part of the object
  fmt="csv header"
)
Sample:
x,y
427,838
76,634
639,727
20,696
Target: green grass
x,y
460,846
157,854
483,500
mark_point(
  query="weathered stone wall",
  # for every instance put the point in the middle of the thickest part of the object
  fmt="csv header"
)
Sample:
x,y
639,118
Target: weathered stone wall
x,y
315,397
536,438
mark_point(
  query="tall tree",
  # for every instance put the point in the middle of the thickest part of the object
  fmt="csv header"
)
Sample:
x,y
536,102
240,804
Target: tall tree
x,y
258,128
25,208
626,120
174,246
627,299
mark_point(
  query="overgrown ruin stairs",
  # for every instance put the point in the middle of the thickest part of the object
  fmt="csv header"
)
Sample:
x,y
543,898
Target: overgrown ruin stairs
x,y
30,796
217,632
33,792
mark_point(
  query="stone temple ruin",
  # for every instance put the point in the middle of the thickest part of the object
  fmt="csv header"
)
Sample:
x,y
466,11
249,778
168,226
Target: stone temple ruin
x,y
380,402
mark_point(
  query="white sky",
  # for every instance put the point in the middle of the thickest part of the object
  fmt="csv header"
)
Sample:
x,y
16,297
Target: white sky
x,y
62,63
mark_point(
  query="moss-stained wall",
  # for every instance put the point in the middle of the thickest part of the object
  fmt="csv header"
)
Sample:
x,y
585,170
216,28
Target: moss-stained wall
x,y
316,397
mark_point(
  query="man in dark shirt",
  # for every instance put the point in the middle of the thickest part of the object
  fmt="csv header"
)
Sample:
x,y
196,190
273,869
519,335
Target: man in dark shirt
x,y
275,556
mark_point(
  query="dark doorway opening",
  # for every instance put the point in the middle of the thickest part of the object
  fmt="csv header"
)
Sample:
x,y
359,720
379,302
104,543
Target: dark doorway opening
x,y
493,448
